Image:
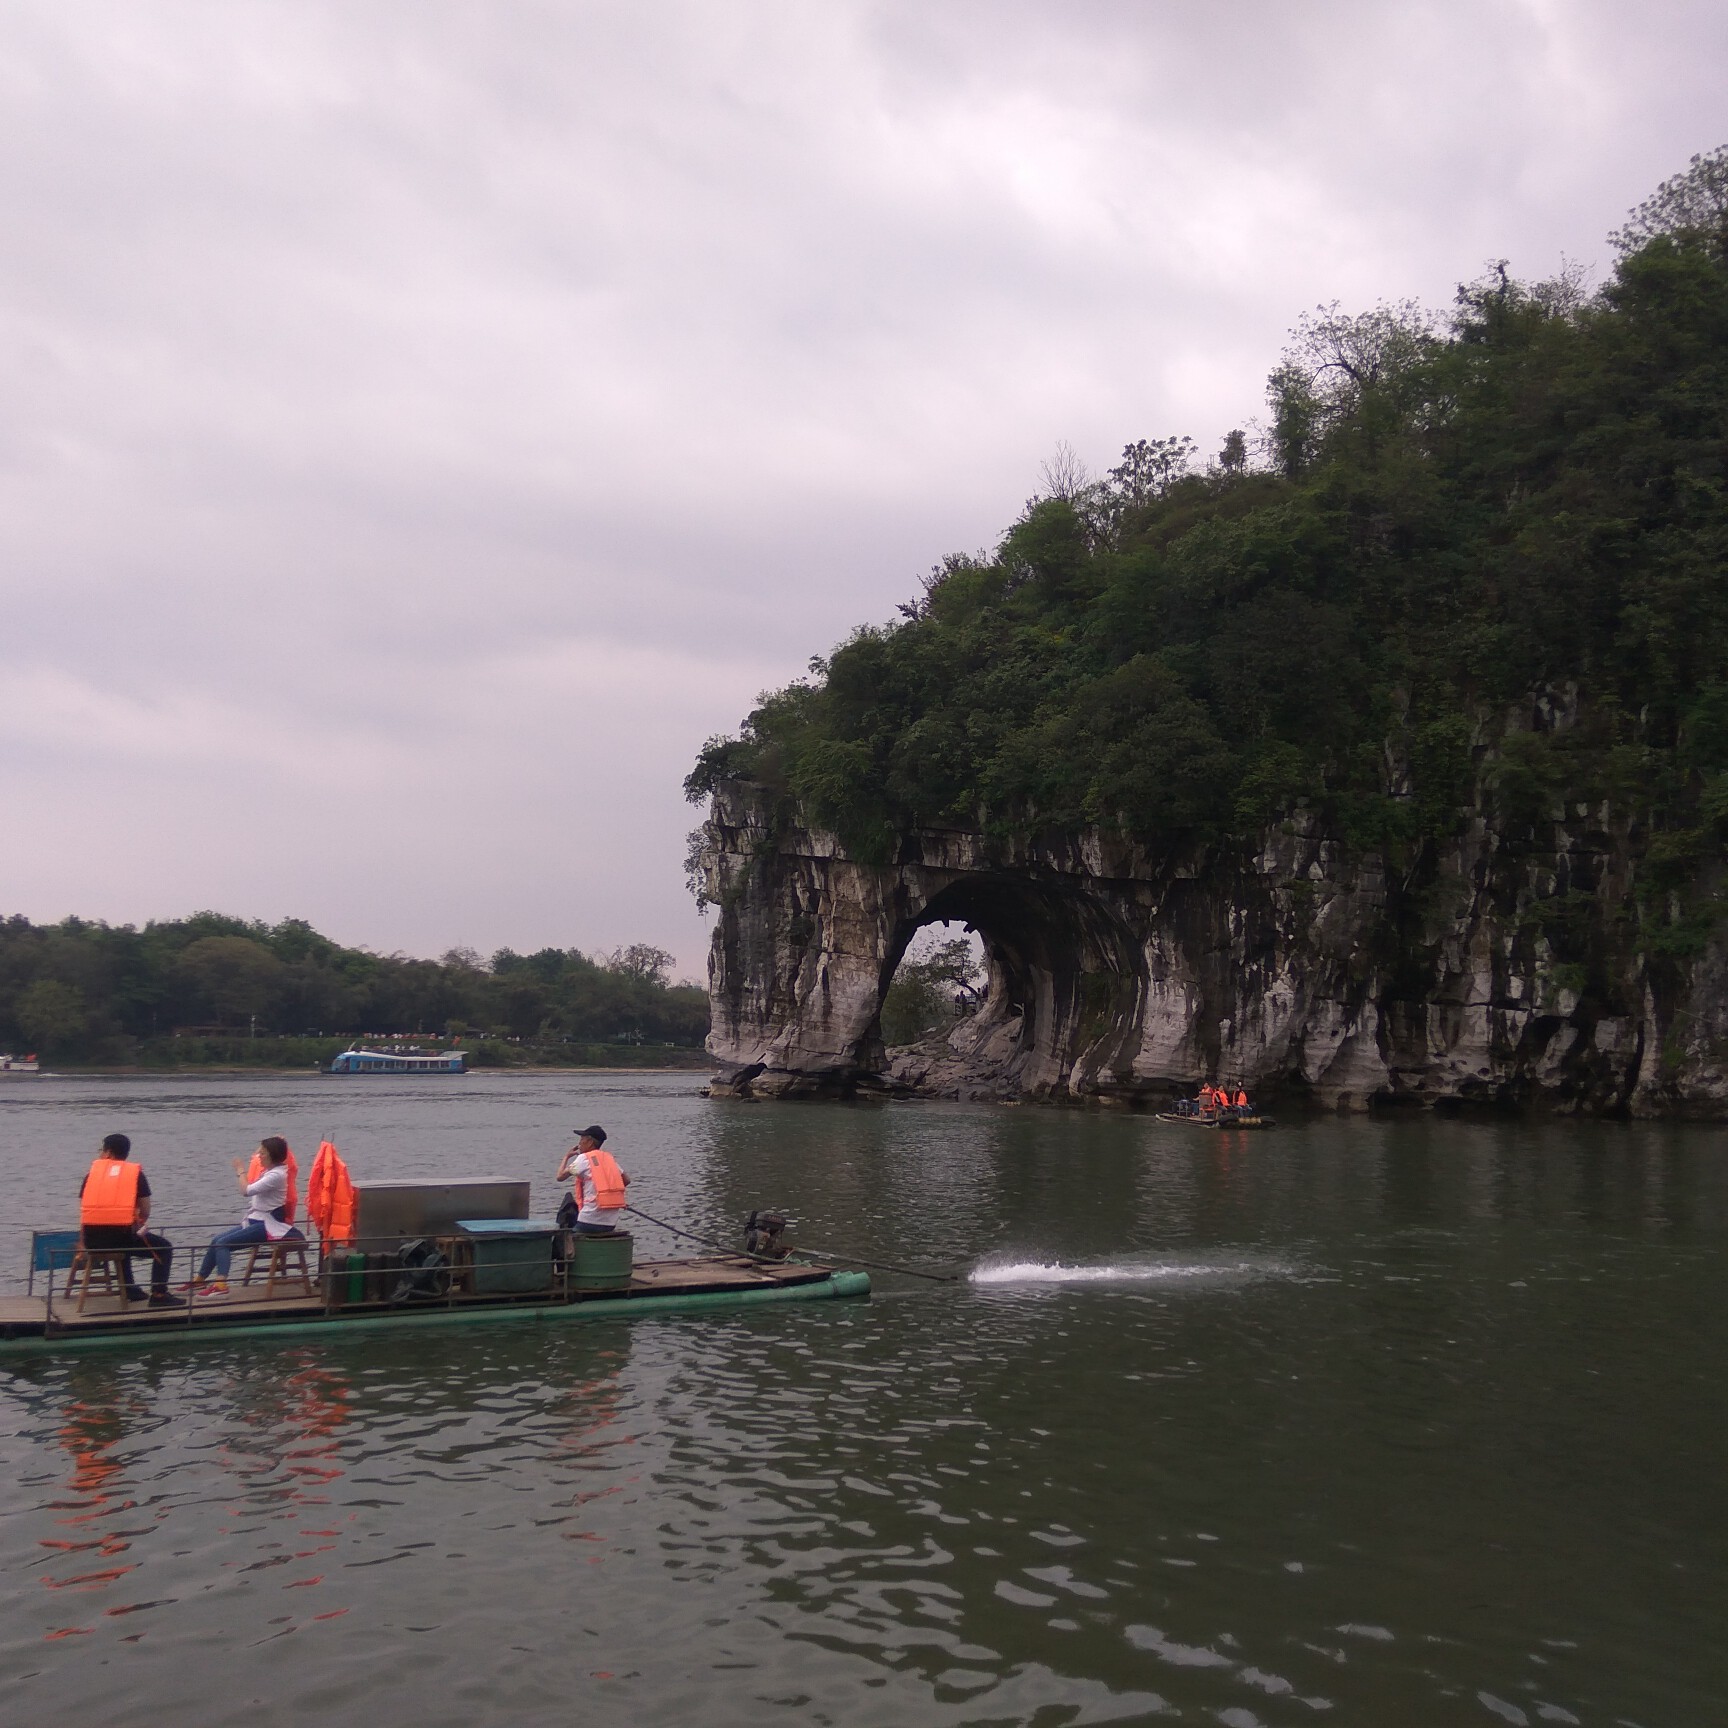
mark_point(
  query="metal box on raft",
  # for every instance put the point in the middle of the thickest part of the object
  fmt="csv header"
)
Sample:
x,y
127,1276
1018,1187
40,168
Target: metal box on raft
x,y
386,1212
601,1262
510,1256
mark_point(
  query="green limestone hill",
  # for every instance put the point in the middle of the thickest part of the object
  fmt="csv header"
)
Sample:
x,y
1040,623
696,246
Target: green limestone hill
x,y
1454,523
1471,577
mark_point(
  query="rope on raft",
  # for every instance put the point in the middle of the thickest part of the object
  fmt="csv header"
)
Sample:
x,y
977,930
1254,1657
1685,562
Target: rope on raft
x,y
820,1253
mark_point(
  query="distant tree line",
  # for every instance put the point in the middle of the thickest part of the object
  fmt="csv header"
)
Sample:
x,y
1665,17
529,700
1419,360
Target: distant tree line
x,y
88,991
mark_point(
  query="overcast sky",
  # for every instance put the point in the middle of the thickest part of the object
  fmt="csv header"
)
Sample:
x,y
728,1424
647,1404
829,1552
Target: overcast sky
x,y
422,423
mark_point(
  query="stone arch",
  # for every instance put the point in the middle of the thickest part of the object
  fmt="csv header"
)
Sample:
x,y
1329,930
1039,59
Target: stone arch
x,y
1066,983
1117,974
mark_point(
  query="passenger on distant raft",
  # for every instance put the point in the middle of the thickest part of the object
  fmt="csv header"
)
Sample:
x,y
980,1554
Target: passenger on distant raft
x,y
597,1197
113,1208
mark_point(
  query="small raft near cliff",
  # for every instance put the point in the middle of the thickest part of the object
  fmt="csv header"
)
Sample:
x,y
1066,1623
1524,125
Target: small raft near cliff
x,y
1197,1121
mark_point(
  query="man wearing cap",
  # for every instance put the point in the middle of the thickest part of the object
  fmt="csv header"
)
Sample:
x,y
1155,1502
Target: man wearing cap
x,y
598,1185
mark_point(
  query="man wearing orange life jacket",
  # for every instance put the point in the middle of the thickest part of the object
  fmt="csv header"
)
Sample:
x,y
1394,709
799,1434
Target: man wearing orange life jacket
x,y
597,1185
113,1208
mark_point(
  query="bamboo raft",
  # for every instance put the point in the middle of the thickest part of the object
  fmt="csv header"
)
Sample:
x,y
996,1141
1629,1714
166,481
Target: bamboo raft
x,y
36,1323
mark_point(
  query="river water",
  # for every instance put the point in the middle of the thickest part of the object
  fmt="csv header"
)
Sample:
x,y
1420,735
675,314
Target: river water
x,y
1392,1423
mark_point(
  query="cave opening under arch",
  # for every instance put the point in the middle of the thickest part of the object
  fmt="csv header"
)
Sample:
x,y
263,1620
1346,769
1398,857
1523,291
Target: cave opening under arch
x,y
1065,978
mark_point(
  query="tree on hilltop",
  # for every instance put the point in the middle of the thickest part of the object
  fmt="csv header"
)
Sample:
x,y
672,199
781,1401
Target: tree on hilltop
x,y
1691,206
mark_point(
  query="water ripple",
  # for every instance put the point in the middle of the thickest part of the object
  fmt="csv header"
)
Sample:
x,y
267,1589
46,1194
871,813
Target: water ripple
x,y
1238,1440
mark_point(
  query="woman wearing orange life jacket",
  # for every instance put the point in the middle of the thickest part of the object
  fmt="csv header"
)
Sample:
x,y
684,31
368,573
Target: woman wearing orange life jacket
x,y
292,1204
598,1185
266,1216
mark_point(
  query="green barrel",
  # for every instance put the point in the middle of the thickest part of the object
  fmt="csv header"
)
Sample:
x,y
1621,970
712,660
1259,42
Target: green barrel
x,y
601,1262
348,1276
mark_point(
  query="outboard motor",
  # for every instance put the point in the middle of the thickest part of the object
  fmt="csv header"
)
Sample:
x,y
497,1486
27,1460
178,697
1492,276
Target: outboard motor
x,y
425,1273
762,1235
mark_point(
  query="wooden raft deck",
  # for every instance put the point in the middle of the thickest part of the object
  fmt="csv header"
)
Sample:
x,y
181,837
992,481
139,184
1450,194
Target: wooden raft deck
x,y
28,1317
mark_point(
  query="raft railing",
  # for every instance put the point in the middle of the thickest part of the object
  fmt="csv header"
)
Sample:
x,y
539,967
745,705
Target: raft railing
x,y
330,1272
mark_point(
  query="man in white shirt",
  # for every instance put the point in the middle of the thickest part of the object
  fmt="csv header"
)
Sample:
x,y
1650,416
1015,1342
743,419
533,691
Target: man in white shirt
x,y
598,1185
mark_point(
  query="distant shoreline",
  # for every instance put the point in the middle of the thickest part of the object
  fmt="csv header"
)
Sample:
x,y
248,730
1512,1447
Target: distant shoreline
x,y
137,1073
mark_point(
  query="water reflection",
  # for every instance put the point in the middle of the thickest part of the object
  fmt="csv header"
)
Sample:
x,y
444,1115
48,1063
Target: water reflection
x,y
1367,1421
97,1519
259,1491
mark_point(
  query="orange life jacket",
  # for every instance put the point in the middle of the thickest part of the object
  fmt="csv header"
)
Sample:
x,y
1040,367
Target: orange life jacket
x,y
330,1199
292,1165
606,1180
110,1193
1241,1099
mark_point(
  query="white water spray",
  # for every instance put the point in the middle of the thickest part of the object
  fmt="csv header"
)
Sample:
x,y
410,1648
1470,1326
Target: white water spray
x,y
1122,1272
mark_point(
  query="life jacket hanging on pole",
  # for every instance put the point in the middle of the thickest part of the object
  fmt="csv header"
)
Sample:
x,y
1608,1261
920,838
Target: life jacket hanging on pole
x,y
330,1199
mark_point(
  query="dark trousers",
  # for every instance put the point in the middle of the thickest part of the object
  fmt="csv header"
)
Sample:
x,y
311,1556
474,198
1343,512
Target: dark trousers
x,y
567,1220
159,1249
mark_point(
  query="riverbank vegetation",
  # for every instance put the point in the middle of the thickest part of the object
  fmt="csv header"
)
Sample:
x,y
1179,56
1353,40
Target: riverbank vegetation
x,y
211,989
1471,564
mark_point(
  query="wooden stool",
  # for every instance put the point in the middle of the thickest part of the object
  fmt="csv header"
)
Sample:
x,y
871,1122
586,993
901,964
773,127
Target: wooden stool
x,y
110,1263
279,1251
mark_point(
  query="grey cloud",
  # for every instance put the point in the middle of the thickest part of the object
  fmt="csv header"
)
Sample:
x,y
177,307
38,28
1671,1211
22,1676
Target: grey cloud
x,y
425,422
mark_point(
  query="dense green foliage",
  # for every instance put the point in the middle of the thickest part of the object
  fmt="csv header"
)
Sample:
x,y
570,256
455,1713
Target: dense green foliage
x,y
1454,527
81,990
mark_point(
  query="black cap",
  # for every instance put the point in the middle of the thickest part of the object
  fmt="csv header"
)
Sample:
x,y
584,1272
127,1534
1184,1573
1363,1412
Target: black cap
x,y
597,1134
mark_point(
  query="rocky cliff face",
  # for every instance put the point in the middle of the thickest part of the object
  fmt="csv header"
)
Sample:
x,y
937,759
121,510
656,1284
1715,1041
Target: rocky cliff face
x,y
1498,972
